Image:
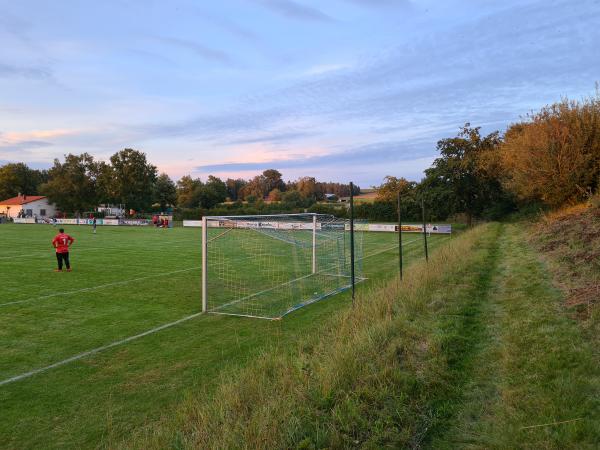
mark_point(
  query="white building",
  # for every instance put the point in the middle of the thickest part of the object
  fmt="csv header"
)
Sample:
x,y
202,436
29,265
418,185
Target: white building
x,y
28,206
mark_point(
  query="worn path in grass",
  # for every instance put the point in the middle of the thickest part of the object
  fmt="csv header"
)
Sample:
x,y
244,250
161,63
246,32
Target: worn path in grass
x,y
525,375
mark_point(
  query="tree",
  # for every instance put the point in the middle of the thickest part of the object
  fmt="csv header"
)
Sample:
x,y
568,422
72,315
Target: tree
x,y
458,178
72,184
388,191
234,187
165,191
105,183
272,179
309,189
187,192
554,156
134,179
275,195
20,179
257,187
213,192
292,198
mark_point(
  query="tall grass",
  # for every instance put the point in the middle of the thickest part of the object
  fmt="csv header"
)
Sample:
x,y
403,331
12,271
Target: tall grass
x,y
371,378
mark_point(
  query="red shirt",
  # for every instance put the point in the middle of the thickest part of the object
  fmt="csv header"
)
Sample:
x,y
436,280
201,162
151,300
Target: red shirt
x,y
61,242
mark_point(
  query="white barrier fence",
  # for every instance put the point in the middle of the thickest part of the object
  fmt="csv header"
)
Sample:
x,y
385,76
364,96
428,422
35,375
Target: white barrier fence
x,y
376,227
110,222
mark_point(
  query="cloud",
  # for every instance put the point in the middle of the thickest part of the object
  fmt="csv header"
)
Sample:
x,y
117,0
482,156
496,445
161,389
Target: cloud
x,y
295,10
365,155
199,49
34,73
272,138
18,136
381,3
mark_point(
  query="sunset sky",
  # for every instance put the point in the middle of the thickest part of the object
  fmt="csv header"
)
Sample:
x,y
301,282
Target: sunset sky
x,y
337,89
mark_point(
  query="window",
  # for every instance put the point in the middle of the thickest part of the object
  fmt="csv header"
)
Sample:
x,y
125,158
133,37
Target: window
x,y
29,212
42,212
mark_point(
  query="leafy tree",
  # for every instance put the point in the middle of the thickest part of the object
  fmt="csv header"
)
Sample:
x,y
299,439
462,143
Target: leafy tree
x,y
388,191
257,187
234,187
134,179
272,180
20,179
554,155
105,183
72,184
308,188
213,192
165,191
458,179
292,198
275,195
187,189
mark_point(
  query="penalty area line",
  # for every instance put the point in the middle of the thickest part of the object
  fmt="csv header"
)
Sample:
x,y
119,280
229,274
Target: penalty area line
x,y
97,350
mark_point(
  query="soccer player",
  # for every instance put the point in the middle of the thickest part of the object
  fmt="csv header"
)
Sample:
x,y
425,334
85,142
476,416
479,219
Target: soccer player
x,y
61,243
94,225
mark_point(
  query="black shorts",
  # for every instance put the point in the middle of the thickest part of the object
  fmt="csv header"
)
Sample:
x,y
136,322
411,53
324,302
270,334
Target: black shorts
x,y
63,257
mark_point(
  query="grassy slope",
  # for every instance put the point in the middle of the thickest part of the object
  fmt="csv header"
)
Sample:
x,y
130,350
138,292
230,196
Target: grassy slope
x,y
104,397
473,351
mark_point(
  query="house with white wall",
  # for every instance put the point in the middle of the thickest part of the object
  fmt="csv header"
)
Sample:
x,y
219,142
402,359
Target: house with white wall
x,y
28,206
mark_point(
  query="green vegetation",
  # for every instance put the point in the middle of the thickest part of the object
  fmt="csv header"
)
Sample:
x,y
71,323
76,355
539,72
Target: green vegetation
x,y
473,350
127,281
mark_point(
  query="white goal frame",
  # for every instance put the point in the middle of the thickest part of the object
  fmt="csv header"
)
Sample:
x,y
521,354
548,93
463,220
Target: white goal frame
x,y
309,223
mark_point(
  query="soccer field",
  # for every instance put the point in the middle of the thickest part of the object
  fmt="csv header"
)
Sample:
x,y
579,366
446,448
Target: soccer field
x,y
87,357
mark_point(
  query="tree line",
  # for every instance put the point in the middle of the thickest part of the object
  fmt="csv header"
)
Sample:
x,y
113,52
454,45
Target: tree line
x,y
80,183
548,159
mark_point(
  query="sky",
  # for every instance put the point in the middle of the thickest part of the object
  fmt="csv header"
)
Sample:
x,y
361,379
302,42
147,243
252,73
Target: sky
x,y
337,89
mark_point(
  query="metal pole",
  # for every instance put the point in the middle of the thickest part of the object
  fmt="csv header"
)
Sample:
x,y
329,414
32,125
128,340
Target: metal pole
x,y
352,240
400,233
314,245
204,264
424,228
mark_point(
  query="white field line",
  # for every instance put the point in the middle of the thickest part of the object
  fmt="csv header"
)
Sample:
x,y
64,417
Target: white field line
x,y
122,341
116,283
97,350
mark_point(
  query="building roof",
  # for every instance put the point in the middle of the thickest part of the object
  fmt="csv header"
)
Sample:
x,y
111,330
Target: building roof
x,y
21,200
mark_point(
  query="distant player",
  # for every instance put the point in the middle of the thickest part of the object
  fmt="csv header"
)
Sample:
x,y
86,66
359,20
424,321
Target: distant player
x,y
61,243
94,225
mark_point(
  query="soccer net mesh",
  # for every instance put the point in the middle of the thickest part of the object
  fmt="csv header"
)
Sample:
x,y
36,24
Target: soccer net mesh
x,y
269,266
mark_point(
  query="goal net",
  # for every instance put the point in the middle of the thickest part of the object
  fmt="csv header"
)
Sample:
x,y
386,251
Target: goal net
x,y
269,266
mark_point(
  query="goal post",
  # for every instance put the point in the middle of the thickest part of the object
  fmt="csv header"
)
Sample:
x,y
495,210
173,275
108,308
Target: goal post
x,y
267,266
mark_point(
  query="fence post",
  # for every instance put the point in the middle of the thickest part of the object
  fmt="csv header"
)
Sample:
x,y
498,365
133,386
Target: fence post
x,y
204,264
400,234
424,228
352,240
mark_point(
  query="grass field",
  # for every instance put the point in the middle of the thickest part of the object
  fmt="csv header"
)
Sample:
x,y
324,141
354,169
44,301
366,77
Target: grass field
x,y
125,283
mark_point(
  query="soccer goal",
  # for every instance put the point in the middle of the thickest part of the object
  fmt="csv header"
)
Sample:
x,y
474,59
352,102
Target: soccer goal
x,y
268,266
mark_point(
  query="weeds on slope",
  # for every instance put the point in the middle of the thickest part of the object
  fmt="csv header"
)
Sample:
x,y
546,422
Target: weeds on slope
x,y
569,240
377,376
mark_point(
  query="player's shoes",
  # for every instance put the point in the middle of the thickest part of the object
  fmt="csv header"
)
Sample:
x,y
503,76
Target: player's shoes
x,y
68,270
58,270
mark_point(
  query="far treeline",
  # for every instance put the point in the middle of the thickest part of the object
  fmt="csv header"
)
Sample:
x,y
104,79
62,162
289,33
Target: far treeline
x,y
549,159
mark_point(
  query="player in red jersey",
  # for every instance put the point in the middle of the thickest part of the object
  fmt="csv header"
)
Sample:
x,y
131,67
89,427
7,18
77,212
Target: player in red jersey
x,y
61,243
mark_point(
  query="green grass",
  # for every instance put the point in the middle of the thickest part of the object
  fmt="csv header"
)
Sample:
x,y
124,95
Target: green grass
x,y
125,282
473,350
